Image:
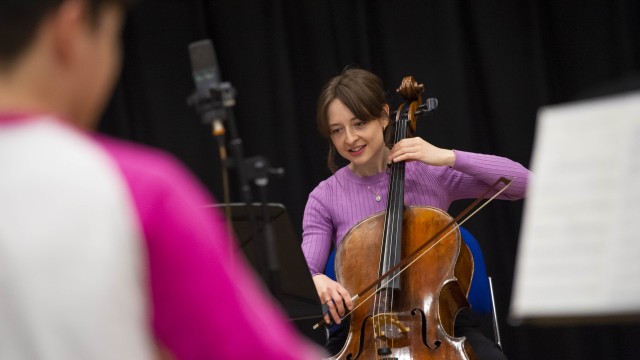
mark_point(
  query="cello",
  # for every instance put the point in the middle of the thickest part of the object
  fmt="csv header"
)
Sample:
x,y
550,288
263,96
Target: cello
x,y
406,313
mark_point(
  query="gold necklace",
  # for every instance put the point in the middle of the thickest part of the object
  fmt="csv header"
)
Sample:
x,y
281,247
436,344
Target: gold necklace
x,y
376,193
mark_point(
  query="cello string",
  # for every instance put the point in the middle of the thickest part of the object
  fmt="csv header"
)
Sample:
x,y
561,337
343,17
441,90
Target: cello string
x,y
397,219
418,256
390,234
405,123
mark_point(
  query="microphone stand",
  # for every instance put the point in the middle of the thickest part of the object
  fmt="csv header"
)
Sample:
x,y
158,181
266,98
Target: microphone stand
x,y
258,170
216,107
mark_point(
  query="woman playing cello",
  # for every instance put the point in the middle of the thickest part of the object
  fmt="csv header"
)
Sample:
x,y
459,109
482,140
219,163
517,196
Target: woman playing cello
x,y
353,113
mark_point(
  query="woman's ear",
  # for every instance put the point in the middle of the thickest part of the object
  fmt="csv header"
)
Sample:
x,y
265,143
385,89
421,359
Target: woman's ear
x,y
384,117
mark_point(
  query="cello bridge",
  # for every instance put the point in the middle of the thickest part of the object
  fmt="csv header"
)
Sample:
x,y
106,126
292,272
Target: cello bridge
x,y
387,325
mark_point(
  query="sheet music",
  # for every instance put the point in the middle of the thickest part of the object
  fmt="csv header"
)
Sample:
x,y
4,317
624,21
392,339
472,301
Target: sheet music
x,y
579,250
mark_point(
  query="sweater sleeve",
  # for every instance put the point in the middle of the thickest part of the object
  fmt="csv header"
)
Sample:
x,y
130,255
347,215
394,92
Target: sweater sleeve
x,y
473,173
317,232
206,303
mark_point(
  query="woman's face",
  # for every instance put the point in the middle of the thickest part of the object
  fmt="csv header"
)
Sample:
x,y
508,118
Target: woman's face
x,y
360,142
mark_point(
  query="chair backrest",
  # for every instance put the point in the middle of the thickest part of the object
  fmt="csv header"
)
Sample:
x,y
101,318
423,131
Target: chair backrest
x,y
329,269
479,293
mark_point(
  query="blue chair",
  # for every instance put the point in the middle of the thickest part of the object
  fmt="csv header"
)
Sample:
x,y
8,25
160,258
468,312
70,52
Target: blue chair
x,y
479,292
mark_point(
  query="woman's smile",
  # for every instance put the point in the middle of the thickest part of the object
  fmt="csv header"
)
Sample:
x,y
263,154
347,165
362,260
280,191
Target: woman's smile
x,y
358,150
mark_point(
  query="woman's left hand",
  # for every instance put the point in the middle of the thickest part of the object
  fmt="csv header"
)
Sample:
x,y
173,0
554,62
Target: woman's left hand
x,y
417,149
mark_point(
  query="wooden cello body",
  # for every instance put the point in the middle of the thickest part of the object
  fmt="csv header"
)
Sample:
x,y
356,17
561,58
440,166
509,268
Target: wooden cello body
x,y
411,313
433,290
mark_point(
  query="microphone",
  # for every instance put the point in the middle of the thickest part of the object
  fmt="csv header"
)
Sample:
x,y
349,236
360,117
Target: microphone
x,y
212,96
204,65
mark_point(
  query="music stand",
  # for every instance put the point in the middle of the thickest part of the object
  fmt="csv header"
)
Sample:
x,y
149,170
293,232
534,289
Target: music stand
x,y
296,292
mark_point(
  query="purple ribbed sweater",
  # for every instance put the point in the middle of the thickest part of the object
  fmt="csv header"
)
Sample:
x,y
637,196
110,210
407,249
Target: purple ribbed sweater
x,y
344,199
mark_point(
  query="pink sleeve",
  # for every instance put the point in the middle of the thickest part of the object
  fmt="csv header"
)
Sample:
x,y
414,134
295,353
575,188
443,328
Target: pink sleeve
x,y
206,301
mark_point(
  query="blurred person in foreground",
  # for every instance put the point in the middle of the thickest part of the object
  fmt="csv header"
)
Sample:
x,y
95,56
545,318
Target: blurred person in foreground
x,y
106,250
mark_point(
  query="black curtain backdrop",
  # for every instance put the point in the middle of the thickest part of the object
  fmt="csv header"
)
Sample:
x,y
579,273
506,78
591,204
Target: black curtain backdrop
x,y
491,64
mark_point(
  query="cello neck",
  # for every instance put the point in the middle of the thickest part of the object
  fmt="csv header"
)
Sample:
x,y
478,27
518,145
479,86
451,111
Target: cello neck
x,y
392,235
405,124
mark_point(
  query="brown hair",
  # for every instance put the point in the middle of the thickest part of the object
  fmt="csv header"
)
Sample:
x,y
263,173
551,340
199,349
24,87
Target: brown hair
x,y
19,20
360,91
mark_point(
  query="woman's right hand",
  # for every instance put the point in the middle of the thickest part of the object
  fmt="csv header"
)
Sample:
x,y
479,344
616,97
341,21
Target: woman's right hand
x,y
334,296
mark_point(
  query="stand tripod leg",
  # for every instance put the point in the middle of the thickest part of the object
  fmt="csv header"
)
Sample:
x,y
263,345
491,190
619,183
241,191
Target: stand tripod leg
x,y
496,330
